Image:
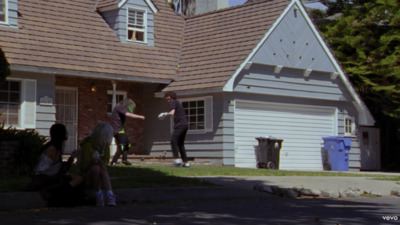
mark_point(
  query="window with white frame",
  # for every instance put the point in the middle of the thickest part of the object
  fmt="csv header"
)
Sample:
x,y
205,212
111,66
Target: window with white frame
x,y
199,114
18,103
349,127
119,95
3,11
136,26
195,114
10,102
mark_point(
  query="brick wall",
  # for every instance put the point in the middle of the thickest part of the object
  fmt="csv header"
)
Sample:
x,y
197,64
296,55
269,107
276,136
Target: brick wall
x,y
92,107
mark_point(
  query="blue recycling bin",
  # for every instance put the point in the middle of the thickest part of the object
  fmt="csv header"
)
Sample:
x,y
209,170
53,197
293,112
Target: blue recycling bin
x,y
338,152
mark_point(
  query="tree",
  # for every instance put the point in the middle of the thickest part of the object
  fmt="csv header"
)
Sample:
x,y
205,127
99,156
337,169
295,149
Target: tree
x,y
4,66
366,41
186,7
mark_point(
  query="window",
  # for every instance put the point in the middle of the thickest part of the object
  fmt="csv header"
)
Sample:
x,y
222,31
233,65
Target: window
x,y
198,113
10,99
348,126
195,114
136,26
18,103
120,95
3,11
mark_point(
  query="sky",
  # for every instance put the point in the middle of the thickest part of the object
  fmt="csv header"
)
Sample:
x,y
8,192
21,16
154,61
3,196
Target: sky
x,y
236,2
316,5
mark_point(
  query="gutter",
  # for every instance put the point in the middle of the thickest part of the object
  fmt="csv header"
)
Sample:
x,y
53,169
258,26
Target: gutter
x,y
89,75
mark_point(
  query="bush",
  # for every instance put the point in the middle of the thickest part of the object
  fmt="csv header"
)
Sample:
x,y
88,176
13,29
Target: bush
x,y
29,148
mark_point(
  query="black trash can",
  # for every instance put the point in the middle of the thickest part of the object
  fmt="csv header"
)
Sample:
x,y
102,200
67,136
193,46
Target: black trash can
x,y
268,152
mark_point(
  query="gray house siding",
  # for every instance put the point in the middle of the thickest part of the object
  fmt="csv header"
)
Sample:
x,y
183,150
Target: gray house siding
x,y
45,113
291,67
117,20
290,82
203,147
293,44
45,86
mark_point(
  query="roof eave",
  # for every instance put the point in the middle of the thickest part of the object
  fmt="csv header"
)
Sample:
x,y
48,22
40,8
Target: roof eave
x,y
121,3
190,92
88,74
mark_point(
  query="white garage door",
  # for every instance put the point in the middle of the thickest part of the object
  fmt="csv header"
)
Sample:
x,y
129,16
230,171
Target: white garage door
x,y
301,127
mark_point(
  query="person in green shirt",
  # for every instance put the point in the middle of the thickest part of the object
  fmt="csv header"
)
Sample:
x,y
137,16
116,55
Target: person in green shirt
x,y
92,161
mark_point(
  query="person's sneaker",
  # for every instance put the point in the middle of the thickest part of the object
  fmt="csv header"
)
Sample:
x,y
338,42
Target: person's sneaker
x,y
111,201
99,199
113,164
178,162
127,163
186,165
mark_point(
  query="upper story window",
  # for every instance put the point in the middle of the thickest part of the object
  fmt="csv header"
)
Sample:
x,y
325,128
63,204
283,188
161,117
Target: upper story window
x,y
3,11
136,26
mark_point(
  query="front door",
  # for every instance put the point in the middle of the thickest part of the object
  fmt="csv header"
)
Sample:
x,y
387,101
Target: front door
x,y
67,114
370,149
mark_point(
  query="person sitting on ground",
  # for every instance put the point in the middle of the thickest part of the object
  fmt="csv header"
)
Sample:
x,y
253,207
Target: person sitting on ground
x,y
51,176
92,161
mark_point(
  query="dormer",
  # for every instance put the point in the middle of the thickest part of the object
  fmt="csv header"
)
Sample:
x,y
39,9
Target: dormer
x,y
9,13
131,20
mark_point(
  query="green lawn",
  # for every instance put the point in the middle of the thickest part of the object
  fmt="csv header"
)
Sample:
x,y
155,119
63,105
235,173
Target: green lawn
x,y
157,175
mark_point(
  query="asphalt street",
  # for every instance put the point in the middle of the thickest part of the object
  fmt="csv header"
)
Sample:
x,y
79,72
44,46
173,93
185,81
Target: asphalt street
x,y
256,210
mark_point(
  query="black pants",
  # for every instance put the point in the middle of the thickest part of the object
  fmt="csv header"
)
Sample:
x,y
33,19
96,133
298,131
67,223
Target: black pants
x,y
178,142
123,145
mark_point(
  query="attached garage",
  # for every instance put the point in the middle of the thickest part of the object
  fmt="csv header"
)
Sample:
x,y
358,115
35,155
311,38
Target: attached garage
x,y
301,127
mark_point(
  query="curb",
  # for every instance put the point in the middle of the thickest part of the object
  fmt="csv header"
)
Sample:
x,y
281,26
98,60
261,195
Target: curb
x,y
296,192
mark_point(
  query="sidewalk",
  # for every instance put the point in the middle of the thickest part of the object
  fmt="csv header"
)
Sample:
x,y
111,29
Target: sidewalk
x,y
235,187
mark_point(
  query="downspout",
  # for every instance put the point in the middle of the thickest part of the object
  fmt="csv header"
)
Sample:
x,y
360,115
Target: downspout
x,y
180,49
114,95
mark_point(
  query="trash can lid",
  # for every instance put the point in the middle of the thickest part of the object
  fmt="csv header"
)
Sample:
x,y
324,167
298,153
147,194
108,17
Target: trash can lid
x,y
268,137
346,140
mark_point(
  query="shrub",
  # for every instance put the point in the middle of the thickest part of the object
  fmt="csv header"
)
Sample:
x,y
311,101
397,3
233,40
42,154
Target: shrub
x,y
29,149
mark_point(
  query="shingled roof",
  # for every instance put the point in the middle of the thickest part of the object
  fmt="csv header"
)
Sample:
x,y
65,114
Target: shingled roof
x,y
201,52
70,36
217,43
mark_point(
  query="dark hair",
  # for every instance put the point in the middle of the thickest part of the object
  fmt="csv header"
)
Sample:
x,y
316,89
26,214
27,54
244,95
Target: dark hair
x,y
58,134
170,94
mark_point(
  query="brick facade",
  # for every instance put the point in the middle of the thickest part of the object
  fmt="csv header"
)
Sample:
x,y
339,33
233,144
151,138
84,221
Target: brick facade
x,y
92,107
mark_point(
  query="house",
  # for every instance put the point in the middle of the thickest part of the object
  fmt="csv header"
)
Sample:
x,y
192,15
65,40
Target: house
x,y
243,72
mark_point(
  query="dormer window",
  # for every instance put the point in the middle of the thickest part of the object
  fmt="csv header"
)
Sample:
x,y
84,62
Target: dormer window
x,y
136,26
3,11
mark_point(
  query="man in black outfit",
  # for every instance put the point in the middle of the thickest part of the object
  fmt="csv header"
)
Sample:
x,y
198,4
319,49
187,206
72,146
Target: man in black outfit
x,y
180,129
